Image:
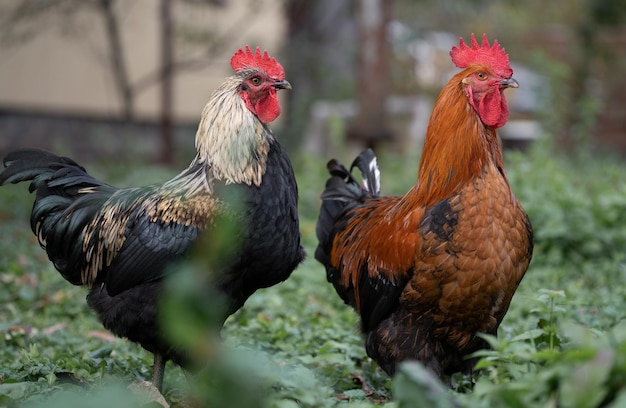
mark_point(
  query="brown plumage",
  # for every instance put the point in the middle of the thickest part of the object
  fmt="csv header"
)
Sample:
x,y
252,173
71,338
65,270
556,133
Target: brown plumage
x,y
120,243
430,270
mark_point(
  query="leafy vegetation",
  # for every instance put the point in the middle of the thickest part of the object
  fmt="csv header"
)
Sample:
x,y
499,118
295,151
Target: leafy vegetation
x,y
562,343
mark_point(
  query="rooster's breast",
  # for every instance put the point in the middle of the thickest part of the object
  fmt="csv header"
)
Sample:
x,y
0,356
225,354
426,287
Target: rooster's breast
x,y
475,250
271,246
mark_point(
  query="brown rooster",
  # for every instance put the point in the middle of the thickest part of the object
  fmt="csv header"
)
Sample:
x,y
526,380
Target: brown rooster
x,y
119,242
430,270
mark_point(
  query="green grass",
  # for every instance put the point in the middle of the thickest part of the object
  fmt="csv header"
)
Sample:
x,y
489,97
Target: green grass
x,y
562,342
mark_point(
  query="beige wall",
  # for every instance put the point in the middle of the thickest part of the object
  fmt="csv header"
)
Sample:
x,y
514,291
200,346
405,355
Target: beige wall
x,y
64,73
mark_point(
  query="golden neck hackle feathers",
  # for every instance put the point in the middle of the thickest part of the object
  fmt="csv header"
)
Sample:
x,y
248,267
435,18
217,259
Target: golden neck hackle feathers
x,y
457,146
230,139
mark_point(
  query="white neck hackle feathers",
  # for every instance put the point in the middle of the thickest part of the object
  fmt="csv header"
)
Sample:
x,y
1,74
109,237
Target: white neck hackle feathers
x,y
231,140
232,145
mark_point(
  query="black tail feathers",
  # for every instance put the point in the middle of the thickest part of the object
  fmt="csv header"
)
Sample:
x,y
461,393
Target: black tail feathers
x,y
62,205
34,165
366,162
343,186
343,191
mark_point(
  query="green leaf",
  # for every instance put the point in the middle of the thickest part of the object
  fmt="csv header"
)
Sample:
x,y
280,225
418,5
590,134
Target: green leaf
x,y
528,335
415,383
13,391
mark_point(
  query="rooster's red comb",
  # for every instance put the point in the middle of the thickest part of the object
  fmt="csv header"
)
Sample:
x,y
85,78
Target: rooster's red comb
x,y
493,56
246,59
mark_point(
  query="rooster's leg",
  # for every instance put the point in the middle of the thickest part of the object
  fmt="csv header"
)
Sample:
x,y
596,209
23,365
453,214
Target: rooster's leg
x,y
158,370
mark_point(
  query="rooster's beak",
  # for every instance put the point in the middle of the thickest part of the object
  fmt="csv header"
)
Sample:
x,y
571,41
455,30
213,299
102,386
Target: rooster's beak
x,y
282,85
509,83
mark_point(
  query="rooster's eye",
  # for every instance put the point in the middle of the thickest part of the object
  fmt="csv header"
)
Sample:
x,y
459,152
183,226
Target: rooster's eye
x,y
255,81
481,75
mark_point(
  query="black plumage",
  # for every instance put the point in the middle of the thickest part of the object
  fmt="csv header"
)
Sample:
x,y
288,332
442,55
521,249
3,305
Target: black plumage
x,y
121,243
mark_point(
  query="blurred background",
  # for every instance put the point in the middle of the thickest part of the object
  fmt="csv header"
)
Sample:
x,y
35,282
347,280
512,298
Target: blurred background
x,y
115,79
121,84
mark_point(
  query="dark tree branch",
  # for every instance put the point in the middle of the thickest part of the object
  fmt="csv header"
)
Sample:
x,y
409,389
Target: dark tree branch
x,y
118,63
167,137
